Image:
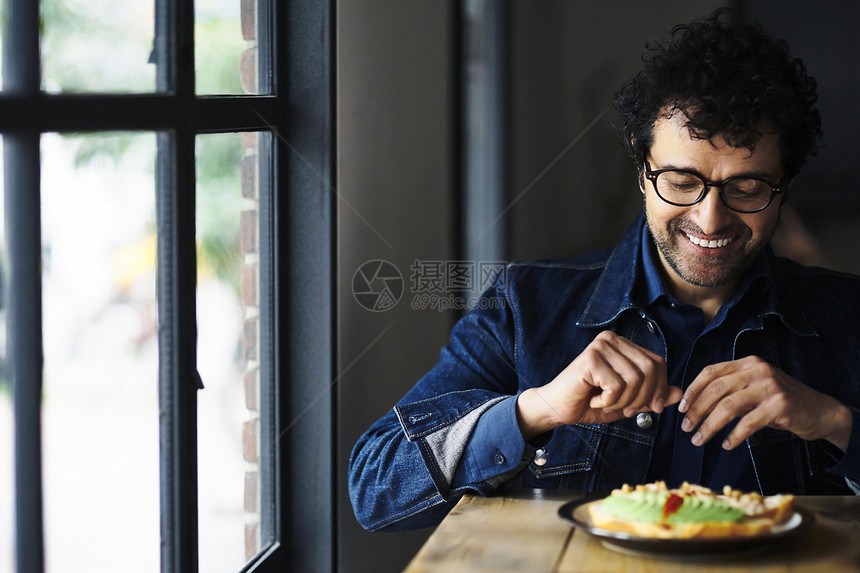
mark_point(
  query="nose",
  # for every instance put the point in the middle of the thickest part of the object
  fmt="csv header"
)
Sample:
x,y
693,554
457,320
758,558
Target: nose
x,y
710,214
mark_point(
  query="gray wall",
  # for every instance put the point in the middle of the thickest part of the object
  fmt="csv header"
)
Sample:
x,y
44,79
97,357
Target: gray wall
x,y
825,196
568,58
572,188
395,192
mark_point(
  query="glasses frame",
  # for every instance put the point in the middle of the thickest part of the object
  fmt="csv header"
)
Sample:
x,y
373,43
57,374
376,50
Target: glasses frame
x,y
775,188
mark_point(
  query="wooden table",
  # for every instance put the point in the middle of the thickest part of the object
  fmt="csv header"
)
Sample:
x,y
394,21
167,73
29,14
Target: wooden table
x,y
522,532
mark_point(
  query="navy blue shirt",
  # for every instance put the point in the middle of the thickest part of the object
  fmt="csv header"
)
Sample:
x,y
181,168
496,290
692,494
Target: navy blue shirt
x,y
691,345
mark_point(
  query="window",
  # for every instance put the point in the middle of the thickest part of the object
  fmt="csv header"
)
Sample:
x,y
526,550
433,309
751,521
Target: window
x,y
99,406
167,286
7,457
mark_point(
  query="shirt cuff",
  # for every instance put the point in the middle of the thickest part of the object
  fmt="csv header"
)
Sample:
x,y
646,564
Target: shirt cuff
x,y
496,446
442,426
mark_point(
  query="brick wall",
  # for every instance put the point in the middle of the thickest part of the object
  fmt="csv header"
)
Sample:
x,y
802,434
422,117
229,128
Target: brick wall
x,y
249,286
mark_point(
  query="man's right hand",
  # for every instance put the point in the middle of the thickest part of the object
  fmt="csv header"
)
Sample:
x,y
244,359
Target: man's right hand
x,y
612,379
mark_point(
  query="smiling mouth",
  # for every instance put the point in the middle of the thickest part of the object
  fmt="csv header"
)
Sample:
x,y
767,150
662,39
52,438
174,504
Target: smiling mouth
x,y
709,244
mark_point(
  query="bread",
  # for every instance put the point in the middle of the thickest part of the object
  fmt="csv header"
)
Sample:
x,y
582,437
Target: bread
x,y
691,511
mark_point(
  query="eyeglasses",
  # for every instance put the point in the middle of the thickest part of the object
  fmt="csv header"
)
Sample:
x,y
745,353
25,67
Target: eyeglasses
x,y
682,188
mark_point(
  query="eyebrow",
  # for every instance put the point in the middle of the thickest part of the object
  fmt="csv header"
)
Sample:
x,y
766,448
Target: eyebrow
x,y
746,174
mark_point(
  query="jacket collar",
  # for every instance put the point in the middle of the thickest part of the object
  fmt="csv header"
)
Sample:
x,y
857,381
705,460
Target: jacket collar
x,y
615,289
621,287
782,301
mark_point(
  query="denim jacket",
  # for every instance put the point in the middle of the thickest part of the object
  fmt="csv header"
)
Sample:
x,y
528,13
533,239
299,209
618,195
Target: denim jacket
x,y
412,465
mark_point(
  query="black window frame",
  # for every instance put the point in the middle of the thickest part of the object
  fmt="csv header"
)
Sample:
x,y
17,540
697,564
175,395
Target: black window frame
x,y
298,227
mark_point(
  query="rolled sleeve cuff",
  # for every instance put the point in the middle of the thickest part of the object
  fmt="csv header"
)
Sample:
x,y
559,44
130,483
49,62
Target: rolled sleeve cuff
x,y
441,427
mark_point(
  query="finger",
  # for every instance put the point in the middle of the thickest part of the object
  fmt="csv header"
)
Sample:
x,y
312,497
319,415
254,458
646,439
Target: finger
x,y
755,420
721,380
701,406
653,366
655,394
589,379
647,385
671,395
733,406
607,384
608,370
634,376
641,385
703,381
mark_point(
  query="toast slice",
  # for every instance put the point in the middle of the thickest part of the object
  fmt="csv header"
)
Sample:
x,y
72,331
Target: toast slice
x,y
691,511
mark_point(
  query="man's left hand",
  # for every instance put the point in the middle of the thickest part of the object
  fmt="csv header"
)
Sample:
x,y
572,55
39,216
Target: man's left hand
x,y
760,395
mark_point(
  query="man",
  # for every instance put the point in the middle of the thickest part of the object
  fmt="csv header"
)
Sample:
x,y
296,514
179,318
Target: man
x,y
689,352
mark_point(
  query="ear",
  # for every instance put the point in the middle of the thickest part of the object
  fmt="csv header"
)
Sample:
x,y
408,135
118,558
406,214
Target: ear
x,y
783,197
640,164
640,172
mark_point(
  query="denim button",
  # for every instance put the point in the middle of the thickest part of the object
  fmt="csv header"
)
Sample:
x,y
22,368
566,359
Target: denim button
x,y
644,420
499,458
540,457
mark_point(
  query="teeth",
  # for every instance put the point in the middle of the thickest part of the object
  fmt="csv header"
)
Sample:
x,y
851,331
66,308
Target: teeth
x,y
709,244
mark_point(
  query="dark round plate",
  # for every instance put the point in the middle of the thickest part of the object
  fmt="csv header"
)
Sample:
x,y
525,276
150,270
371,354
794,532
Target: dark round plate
x,y
576,512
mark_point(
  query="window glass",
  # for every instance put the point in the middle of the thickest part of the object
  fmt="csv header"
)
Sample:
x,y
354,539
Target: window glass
x,y
7,456
225,46
100,406
228,313
97,46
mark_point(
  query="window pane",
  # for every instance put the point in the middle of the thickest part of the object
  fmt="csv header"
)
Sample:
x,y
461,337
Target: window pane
x,y
231,491
100,409
225,44
7,455
97,46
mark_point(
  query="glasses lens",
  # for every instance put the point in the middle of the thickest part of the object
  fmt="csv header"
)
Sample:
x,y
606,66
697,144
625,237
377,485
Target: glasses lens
x,y
679,187
747,194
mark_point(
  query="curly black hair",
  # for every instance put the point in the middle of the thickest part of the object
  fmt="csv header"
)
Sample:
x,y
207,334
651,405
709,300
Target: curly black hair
x,y
727,78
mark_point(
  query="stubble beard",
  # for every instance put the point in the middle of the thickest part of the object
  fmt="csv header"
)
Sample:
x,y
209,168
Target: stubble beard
x,y
704,271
